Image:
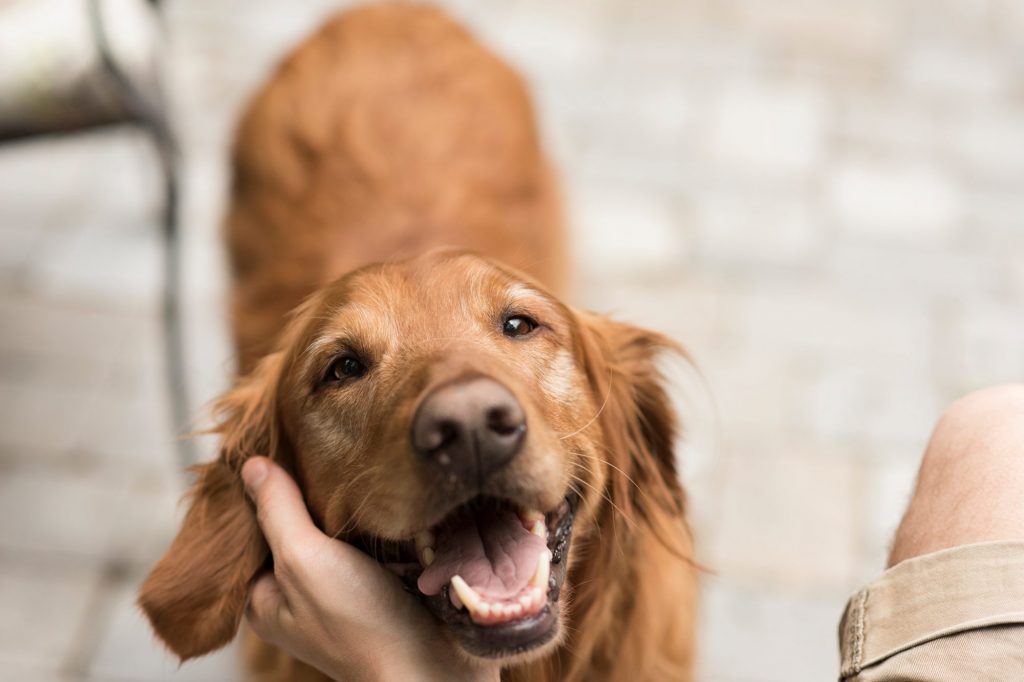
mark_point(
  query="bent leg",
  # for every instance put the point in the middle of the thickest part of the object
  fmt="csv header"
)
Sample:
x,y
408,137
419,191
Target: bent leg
x,y
970,486
951,606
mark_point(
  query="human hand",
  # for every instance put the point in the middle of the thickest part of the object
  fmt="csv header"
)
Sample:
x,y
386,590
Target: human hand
x,y
330,605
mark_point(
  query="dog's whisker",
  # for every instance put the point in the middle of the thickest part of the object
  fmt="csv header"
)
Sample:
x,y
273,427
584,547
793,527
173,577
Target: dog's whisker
x,y
604,403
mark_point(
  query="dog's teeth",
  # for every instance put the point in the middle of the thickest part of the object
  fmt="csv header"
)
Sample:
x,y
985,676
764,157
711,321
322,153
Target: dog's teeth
x,y
425,538
425,547
530,516
543,572
467,595
540,529
536,597
487,612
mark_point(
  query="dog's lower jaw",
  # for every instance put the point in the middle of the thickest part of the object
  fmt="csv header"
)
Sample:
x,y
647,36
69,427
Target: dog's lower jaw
x,y
520,659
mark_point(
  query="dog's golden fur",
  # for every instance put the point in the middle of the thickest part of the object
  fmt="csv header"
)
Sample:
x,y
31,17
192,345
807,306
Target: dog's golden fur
x,y
388,133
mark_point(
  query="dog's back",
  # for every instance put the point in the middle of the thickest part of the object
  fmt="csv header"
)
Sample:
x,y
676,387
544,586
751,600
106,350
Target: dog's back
x,y
388,132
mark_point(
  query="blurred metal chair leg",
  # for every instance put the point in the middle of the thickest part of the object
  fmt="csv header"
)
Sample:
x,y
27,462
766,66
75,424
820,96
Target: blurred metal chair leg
x,y
95,65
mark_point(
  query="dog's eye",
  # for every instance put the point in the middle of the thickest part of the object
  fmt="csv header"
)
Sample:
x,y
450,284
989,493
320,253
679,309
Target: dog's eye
x,y
346,367
518,325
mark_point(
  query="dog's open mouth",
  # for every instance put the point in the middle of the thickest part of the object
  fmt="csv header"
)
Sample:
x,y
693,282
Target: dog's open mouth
x,y
492,571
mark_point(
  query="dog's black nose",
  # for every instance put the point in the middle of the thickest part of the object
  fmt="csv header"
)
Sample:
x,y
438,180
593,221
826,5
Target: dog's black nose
x,y
469,429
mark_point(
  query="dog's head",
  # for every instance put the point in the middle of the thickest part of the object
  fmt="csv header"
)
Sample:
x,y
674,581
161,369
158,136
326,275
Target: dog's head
x,y
467,429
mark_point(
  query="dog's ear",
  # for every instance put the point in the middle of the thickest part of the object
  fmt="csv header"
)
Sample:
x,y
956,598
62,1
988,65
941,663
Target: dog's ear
x,y
638,421
196,594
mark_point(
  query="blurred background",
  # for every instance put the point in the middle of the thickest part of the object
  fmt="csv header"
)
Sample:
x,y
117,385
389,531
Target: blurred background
x,y
822,199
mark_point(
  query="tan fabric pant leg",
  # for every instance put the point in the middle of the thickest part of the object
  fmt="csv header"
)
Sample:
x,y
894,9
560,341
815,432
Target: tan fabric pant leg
x,y
952,616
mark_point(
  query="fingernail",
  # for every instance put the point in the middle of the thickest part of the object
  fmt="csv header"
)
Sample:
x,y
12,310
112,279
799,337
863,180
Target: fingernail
x,y
253,473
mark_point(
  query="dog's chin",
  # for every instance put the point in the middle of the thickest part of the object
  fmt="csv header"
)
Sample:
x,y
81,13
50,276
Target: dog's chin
x,y
515,626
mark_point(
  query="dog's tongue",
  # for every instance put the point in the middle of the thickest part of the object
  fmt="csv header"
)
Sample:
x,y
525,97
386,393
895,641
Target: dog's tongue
x,y
490,550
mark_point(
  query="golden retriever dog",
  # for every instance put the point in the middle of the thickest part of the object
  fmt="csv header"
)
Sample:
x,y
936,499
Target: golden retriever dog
x,y
398,255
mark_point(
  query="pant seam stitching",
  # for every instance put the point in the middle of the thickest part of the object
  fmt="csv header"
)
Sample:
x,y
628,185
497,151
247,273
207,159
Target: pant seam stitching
x,y
857,655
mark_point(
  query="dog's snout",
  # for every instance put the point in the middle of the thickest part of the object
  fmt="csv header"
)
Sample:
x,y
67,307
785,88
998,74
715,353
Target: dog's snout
x,y
469,428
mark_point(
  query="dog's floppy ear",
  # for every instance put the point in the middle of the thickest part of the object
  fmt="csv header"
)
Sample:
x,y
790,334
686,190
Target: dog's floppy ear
x,y
196,594
638,421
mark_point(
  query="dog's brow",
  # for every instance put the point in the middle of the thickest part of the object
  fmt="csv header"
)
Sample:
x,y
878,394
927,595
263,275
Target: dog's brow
x,y
314,348
520,290
318,344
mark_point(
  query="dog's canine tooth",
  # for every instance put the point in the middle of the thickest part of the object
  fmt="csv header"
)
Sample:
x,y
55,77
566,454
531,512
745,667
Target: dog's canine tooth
x,y
467,595
456,601
540,529
543,572
427,556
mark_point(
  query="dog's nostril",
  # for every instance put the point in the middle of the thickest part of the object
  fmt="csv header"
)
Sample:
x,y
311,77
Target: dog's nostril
x,y
448,432
504,421
444,433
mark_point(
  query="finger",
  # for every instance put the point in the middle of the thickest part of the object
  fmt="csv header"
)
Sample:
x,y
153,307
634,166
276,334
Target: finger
x,y
266,610
280,509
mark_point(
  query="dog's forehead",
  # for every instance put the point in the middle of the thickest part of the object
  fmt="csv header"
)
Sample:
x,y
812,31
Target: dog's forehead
x,y
440,293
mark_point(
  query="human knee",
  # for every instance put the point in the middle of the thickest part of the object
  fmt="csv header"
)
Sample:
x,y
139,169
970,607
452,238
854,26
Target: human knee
x,y
981,424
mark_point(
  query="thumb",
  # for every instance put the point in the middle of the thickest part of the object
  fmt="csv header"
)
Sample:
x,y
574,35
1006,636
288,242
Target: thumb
x,y
280,509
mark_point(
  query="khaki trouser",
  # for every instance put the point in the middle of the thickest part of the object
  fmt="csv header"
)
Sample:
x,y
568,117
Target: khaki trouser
x,y
952,616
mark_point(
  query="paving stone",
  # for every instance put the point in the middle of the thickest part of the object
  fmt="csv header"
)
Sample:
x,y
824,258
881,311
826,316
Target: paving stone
x,y
987,143
69,273
888,122
768,229
69,332
30,410
898,202
951,72
57,515
44,608
872,402
790,319
787,516
969,23
914,276
751,633
991,342
20,667
756,129
129,651
623,231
